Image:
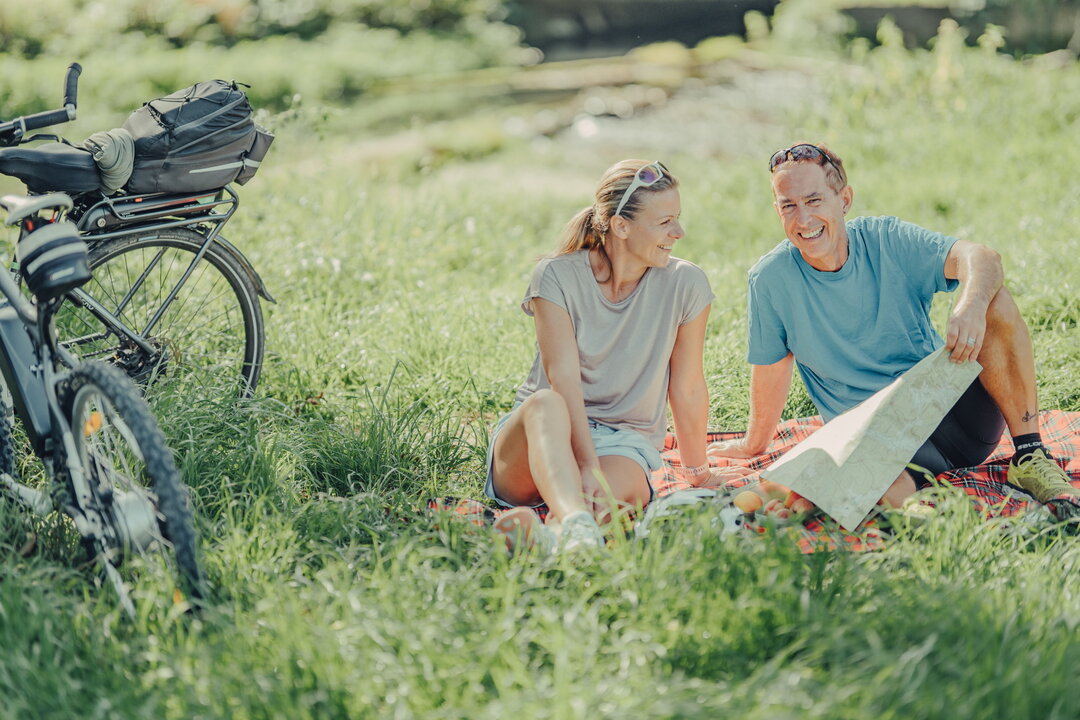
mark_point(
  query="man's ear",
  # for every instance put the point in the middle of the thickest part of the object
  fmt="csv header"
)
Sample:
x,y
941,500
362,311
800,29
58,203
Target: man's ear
x,y
847,195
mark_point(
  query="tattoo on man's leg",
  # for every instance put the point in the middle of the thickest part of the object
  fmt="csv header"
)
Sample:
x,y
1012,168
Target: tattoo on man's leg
x,y
1029,416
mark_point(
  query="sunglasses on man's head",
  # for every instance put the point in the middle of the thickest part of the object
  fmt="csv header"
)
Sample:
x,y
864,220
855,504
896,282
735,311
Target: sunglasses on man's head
x,y
802,151
645,176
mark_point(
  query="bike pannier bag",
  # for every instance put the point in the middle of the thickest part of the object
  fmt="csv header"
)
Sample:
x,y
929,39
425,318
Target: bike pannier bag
x,y
199,138
53,259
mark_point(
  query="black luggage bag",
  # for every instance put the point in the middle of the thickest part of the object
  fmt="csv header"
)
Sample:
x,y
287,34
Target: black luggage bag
x,y
199,138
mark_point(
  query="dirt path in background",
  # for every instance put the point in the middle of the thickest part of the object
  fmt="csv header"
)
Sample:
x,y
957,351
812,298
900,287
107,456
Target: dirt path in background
x,y
744,111
615,107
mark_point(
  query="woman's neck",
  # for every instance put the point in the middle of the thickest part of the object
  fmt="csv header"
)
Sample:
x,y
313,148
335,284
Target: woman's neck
x,y
617,277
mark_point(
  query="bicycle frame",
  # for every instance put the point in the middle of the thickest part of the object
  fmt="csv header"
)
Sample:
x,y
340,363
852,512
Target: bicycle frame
x,y
26,360
138,214
135,214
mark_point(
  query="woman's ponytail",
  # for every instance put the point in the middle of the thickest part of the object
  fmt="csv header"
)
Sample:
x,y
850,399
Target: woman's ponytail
x,y
580,232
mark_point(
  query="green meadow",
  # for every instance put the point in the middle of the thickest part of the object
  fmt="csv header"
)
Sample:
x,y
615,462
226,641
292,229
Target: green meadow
x,y
396,225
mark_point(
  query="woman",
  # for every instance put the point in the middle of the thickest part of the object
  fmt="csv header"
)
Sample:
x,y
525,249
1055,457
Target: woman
x,y
620,329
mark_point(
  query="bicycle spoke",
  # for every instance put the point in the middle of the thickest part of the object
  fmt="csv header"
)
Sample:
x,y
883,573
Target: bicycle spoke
x,y
196,320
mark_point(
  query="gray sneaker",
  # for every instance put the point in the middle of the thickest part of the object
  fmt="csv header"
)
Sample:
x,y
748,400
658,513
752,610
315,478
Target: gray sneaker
x,y
580,531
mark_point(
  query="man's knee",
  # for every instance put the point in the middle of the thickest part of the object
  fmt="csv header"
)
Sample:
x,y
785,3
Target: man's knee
x,y
901,489
1003,316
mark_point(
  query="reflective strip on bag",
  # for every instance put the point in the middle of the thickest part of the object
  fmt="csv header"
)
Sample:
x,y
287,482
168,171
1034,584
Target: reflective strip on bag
x,y
216,168
55,254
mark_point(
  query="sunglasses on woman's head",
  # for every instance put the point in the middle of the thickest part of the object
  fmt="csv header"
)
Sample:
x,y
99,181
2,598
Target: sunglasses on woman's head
x,y
802,151
645,176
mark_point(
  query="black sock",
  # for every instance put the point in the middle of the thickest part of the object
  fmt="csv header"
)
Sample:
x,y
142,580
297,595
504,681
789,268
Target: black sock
x,y
1026,445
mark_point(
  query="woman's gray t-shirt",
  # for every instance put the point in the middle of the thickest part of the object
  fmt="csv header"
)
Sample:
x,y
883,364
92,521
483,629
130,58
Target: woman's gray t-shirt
x,y
624,348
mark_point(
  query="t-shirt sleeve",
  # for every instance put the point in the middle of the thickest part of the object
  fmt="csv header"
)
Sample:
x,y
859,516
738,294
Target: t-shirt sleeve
x,y
766,336
698,294
544,284
921,253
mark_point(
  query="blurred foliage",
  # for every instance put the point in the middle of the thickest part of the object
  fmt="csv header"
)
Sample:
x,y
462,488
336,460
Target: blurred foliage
x,y
155,48
65,26
1032,25
1026,26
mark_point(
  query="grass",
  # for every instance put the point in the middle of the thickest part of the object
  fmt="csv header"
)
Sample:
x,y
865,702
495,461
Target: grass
x,y
396,341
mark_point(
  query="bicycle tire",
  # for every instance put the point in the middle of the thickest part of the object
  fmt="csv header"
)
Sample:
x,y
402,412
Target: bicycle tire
x,y
211,333
7,441
133,481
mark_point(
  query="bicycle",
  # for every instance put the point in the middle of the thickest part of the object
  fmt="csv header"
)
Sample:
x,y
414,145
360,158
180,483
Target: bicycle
x,y
105,459
170,295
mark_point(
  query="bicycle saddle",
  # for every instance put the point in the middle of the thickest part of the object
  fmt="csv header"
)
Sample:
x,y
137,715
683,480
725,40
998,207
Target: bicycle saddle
x,y
55,166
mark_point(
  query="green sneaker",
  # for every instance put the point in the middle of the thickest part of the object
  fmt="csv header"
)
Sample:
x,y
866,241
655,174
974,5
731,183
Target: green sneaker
x,y
1043,478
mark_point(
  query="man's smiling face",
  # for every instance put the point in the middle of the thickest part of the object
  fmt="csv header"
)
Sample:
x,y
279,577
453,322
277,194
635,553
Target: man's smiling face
x,y
812,213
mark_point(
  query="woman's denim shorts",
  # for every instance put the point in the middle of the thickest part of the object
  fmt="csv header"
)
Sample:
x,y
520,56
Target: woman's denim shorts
x,y
607,440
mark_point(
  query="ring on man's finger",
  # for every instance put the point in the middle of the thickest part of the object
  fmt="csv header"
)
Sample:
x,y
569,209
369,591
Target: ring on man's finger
x,y
971,341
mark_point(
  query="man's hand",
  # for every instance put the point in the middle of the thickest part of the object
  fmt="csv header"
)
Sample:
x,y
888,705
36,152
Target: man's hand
x,y
978,268
966,333
729,448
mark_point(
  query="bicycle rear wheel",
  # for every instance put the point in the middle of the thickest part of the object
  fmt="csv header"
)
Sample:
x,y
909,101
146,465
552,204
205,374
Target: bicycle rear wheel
x,y
133,482
200,324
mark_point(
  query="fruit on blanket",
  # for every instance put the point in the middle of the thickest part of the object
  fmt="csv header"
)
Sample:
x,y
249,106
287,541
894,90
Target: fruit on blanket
x,y
792,496
773,506
782,513
801,505
771,489
748,501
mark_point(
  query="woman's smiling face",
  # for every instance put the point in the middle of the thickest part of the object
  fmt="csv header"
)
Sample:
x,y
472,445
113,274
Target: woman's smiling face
x,y
655,228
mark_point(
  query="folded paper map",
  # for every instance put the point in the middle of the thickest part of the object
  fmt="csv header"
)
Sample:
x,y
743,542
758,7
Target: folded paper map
x,y
846,466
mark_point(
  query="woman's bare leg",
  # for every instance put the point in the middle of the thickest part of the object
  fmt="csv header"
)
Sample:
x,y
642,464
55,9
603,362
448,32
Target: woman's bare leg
x,y
533,459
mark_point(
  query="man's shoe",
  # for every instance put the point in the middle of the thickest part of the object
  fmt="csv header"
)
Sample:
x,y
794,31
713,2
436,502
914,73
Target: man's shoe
x,y
1043,478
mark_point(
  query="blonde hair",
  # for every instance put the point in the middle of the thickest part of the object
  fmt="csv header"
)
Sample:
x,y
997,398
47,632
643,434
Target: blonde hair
x,y
588,228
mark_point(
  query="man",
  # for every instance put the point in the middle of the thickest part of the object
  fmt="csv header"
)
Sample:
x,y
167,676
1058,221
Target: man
x,y
849,301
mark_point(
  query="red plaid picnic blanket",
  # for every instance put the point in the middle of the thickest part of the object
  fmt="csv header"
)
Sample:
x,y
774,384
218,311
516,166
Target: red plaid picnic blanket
x,y
984,484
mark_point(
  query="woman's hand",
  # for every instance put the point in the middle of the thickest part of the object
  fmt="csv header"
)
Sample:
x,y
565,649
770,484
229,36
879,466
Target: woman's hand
x,y
592,489
730,449
715,477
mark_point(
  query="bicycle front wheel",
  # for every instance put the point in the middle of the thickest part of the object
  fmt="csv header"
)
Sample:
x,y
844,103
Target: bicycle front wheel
x,y
165,319
133,481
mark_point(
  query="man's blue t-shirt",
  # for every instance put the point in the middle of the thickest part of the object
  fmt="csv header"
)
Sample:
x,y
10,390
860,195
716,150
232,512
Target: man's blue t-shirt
x,y
854,330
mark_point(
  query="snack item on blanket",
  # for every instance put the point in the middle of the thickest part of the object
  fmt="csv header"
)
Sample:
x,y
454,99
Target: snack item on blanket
x,y
770,489
773,506
748,501
791,507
